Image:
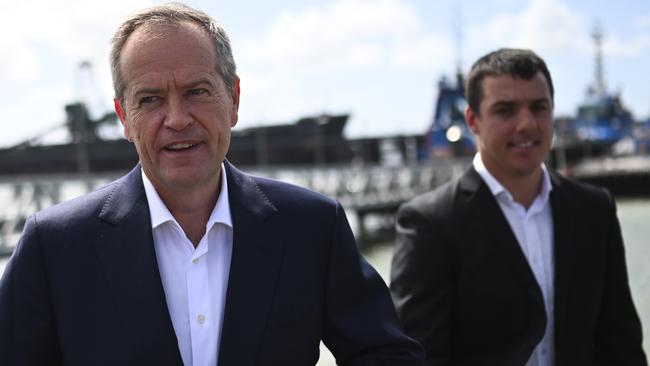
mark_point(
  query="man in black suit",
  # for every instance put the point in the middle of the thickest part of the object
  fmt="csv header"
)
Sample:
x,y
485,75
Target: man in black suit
x,y
187,260
512,264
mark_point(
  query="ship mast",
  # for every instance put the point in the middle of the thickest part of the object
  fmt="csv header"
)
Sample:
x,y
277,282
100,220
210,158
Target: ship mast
x,y
599,88
458,35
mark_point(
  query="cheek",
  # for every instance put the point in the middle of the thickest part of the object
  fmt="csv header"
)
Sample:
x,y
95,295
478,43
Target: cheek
x,y
504,131
130,131
548,128
133,132
495,138
139,126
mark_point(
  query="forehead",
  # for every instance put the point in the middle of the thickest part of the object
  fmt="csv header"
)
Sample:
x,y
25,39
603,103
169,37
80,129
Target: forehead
x,y
166,47
507,88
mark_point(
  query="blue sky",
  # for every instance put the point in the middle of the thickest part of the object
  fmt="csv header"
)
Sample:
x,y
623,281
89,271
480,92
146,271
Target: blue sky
x,y
378,60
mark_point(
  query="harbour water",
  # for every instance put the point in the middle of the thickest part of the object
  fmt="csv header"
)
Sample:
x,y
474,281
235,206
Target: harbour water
x,y
633,215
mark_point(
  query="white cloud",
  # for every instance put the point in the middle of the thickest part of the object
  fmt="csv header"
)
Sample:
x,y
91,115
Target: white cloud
x,y
39,32
346,34
632,48
563,36
423,52
552,28
20,61
547,26
339,57
43,44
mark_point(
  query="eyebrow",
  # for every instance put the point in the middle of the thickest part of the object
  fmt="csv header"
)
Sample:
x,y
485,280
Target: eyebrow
x,y
510,102
501,103
146,91
197,82
541,100
188,85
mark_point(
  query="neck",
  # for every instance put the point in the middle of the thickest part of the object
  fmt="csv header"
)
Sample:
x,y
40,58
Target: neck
x,y
192,208
524,189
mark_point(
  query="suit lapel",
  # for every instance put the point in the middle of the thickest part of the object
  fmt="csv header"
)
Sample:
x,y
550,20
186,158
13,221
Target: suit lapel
x,y
127,255
492,227
257,254
489,226
565,252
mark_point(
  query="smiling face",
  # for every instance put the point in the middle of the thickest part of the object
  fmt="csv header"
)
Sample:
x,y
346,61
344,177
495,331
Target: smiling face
x,y
176,108
514,126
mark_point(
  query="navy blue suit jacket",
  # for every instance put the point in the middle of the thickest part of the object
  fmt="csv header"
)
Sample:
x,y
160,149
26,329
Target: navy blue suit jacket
x,y
83,285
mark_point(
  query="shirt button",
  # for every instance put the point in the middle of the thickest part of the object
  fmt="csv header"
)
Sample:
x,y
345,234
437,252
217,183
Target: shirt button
x,y
195,260
200,318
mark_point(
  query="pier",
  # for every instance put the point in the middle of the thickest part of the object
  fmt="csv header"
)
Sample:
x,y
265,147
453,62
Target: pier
x,y
366,191
627,176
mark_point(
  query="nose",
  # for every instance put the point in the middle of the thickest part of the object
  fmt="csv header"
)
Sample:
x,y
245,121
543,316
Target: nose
x,y
526,120
178,116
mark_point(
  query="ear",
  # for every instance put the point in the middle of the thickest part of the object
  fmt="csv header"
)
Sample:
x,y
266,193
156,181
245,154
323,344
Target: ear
x,y
472,120
122,116
235,103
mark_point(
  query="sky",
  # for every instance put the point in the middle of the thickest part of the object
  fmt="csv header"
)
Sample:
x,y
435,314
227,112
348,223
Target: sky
x,y
377,60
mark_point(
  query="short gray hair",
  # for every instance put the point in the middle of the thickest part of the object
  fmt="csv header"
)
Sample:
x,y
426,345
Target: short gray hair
x,y
173,14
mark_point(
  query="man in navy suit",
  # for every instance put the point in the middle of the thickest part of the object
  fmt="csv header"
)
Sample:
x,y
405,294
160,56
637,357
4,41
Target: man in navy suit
x,y
512,264
186,260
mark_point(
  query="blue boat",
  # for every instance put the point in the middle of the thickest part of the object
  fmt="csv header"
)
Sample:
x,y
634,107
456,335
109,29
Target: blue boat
x,y
448,135
602,120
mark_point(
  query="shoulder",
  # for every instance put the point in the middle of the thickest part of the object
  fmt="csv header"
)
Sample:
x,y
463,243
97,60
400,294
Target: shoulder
x,y
440,201
73,212
250,188
288,204
580,193
65,225
286,195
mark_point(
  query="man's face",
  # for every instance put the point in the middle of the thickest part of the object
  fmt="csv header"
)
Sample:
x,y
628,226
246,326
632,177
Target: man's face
x,y
515,125
177,109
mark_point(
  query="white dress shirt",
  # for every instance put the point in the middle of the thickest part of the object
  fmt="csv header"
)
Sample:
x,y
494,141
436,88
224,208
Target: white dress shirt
x,y
194,279
533,229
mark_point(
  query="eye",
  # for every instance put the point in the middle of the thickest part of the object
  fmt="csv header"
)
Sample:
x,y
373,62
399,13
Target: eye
x,y
503,110
197,91
148,100
540,108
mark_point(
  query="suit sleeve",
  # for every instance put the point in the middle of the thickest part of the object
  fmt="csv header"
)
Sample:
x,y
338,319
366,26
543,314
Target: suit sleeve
x,y
618,332
361,326
27,327
422,282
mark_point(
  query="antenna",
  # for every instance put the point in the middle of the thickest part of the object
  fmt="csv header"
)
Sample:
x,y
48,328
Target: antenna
x,y
87,89
458,38
599,86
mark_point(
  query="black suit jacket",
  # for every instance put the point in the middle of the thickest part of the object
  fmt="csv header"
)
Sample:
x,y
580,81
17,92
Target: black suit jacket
x,y
464,289
83,285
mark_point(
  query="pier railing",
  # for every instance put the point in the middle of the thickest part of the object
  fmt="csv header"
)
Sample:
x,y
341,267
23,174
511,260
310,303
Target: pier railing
x,y
362,190
368,188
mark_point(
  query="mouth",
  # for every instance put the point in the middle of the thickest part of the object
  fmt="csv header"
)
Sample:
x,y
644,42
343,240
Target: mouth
x,y
182,146
524,145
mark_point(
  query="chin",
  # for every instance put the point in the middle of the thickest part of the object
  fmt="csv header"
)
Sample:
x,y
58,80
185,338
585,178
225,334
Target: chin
x,y
184,179
526,171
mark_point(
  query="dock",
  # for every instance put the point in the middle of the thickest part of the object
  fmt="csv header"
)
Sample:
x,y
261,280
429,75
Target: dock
x,y
365,191
627,176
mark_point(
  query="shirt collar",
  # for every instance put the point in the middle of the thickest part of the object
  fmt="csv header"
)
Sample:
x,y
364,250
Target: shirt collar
x,y
160,213
497,188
